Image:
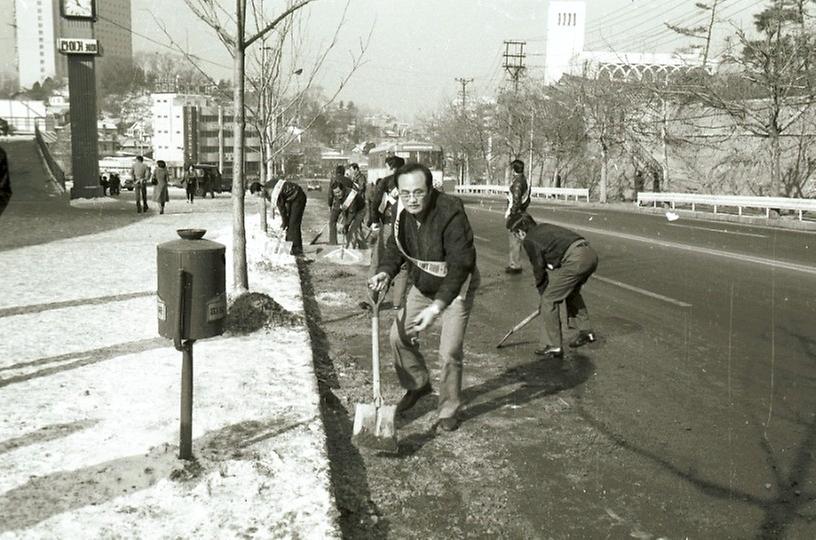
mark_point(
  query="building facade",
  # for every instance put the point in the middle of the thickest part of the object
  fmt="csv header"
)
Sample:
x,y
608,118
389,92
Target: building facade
x,y
38,25
190,128
565,55
566,31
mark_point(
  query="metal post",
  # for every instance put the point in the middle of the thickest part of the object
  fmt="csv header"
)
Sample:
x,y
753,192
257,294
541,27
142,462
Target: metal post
x,y
186,425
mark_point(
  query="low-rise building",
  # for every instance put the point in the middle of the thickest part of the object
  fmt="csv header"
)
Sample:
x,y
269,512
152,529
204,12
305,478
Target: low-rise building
x,y
192,128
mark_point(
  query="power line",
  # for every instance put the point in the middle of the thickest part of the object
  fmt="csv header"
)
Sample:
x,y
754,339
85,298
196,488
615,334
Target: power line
x,y
160,44
669,39
655,33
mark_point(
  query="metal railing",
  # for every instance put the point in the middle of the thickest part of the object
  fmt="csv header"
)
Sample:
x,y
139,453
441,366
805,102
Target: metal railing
x,y
730,201
53,167
536,192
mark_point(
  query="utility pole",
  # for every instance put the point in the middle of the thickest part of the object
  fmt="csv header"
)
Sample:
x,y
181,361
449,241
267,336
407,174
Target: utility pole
x,y
463,93
514,56
463,158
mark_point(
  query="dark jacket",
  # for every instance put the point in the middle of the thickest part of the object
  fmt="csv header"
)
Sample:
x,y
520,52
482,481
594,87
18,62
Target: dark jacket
x,y
5,181
545,245
384,186
345,183
518,200
289,193
445,235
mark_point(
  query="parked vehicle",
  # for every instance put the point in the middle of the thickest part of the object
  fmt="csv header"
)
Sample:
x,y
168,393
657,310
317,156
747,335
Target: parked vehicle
x,y
209,173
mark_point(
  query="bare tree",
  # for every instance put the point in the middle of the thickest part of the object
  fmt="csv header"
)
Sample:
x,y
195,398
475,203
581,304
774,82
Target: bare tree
x,y
776,66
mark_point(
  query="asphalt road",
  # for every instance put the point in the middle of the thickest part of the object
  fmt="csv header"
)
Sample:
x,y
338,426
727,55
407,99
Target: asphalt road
x,y
692,416
711,329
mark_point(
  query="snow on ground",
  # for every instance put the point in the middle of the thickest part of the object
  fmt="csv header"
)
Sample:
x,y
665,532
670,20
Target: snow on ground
x,y
90,401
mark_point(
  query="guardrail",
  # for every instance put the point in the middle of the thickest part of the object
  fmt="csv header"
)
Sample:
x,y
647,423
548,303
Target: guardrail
x,y
734,201
54,169
546,192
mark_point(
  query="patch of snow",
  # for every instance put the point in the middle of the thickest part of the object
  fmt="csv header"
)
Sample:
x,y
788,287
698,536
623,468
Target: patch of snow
x,y
89,421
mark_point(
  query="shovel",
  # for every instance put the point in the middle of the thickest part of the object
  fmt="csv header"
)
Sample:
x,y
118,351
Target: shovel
x,y
518,327
374,422
318,235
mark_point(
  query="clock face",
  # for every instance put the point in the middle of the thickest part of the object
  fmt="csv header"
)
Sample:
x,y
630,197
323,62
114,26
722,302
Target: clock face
x,y
78,8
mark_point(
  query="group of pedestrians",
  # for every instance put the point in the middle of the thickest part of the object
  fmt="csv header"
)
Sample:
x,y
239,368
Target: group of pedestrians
x,y
159,178
429,233
111,183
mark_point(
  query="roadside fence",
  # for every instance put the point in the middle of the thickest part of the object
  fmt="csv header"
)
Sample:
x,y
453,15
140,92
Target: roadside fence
x,y
56,171
536,192
729,201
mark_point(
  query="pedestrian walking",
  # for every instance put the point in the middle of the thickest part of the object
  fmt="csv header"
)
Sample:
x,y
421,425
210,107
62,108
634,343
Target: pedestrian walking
x,y
190,183
383,208
518,199
336,200
5,181
141,175
160,179
290,200
442,264
115,184
562,262
206,182
104,181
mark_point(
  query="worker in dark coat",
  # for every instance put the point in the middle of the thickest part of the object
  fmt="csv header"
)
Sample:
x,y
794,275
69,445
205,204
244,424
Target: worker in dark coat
x,y
382,209
518,199
290,199
562,262
442,263
336,201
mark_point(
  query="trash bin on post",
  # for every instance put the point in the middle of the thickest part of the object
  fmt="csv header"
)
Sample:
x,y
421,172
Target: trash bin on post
x,y
192,304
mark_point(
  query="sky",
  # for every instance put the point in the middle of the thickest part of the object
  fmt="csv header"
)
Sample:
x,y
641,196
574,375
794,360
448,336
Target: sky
x,y
419,47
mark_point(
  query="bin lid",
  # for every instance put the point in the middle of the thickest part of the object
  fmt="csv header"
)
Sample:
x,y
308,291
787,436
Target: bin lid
x,y
192,241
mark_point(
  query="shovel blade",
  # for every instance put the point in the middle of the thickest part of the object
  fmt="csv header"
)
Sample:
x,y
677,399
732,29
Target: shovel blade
x,y
347,256
374,427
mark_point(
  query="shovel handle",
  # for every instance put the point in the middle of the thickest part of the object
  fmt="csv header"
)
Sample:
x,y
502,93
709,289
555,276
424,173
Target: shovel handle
x,y
376,298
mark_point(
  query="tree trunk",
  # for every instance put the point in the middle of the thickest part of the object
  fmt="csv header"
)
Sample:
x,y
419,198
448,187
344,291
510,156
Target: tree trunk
x,y
239,261
263,175
663,137
604,170
776,164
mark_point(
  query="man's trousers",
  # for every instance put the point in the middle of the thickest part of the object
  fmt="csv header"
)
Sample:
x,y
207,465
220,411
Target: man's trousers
x,y
141,196
514,254
564,284
412,370
293,232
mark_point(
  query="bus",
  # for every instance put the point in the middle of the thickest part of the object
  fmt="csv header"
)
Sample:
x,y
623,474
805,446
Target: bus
x,y
428,154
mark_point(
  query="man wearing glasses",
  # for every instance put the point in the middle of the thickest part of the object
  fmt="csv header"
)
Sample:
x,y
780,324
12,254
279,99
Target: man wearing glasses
x,y
433,235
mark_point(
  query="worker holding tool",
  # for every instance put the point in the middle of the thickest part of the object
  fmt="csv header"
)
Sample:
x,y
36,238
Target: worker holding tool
x,y
336,200
562,262
442,265
382,208
290,200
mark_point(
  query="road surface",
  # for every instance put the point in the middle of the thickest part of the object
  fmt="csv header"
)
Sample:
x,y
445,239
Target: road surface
x,y
692,416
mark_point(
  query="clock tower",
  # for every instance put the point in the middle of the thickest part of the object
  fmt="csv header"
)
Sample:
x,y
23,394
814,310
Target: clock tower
x,y
79,45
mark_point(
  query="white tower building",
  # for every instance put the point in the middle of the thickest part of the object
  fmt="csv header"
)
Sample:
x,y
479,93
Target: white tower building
x,y
566,26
